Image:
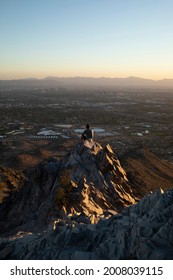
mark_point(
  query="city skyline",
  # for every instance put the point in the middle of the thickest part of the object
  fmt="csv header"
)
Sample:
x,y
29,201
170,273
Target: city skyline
x,y
93,38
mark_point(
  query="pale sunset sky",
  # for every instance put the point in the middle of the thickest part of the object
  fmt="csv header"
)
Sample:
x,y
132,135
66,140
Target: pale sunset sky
x,y
110,38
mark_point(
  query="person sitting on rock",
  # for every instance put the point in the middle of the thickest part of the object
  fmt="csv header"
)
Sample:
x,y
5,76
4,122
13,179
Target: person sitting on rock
x,y
88,134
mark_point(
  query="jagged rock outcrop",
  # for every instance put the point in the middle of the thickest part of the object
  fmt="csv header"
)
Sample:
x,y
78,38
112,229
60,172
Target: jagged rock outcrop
x,y
142,231
82,207
86,185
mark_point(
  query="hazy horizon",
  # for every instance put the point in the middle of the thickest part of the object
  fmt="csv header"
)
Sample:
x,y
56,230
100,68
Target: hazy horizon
x,y
93,38
83,77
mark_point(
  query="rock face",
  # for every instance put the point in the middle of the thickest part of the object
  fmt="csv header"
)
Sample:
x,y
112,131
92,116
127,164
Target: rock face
x,y
141,231
87,184
82,207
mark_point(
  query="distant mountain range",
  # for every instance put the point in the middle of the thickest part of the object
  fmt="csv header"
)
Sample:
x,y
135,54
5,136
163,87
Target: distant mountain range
x,y
87,83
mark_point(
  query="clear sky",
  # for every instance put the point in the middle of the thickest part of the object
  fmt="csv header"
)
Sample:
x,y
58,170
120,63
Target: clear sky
x,y
110,38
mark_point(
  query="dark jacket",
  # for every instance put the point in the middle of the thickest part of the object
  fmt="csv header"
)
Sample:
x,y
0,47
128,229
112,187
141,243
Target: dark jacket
x,y
87,134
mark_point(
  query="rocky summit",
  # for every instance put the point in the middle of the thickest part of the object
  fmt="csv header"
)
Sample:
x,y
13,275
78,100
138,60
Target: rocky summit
x,y
86,185
82,207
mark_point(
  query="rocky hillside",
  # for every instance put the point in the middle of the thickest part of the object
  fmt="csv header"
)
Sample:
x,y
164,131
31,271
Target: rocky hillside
x,y
87,184
10,180
83,207
146,171
142,231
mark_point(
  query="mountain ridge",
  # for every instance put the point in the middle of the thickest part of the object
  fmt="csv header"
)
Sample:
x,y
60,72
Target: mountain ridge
x,y
89,82
86,183
83,207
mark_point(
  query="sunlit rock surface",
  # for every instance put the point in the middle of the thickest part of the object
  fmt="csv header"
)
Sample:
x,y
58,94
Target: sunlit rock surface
x,y
82,207
85,185
142,231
